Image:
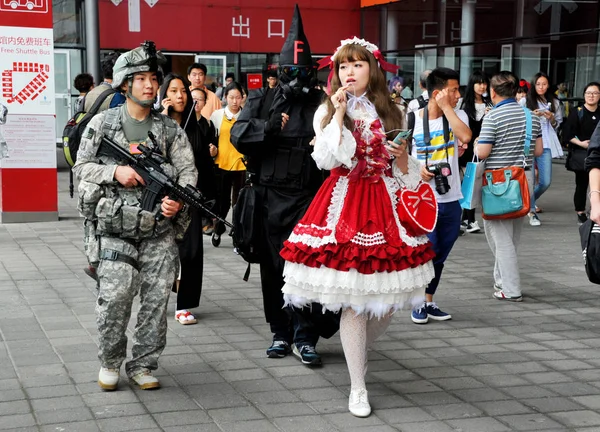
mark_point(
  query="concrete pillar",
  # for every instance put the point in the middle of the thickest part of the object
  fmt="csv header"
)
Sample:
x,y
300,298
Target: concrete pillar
x,y
467,34
92,40
392,35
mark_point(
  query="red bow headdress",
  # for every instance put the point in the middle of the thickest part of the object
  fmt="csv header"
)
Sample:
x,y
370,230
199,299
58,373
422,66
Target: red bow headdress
x,y
372,48
525,84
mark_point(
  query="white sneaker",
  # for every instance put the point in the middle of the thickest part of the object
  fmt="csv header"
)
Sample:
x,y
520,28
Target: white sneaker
x,y
534,220
358,404
108,379
145,380
473,227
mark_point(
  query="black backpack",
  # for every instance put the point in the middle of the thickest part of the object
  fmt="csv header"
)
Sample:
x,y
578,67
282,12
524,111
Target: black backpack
x,y
73,131
247,226
589,233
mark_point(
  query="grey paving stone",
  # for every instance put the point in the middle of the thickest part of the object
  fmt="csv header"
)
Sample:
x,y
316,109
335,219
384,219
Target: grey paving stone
x,y
11,422
478,425
404,415
84,426
453,411
120,424
14,407
120,410
101,398
432,398
320,394
345,421
547,377
57,403
572,389
529,422
303,423
577,418
51,391
180,418
261,385
428,426
12,395
289,409
553,404
249,426
63,415
272,397
528,392
228,415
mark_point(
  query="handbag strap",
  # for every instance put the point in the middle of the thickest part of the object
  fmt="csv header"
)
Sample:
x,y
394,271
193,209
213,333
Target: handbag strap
x,y
528,134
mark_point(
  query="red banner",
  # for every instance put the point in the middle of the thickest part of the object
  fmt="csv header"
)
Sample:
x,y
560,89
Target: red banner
x,y
224,26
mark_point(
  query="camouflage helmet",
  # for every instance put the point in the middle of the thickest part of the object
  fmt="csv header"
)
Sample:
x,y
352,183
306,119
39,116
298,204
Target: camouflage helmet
x,y
145,58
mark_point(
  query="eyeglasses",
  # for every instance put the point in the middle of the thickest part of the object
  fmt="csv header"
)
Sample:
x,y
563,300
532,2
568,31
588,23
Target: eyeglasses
x,y
293,71
592,93
200,100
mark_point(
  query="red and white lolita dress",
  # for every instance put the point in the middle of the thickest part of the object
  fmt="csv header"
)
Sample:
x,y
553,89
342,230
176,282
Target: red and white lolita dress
x,y
361,243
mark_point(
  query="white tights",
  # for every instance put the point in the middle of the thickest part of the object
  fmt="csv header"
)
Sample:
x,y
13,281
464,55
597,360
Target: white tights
x,y
358,332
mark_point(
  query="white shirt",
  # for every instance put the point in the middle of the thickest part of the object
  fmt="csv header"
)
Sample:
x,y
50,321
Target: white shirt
x,y
438,151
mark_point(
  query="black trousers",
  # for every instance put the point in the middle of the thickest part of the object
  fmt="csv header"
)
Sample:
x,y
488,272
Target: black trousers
x,y
191,257
229,184
281,210
582,181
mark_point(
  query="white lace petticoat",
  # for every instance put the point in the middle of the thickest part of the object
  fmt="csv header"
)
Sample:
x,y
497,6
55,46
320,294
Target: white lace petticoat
x,y
374,294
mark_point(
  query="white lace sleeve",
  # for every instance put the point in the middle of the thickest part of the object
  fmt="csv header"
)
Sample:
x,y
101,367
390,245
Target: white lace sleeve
x,y
412,178
332,148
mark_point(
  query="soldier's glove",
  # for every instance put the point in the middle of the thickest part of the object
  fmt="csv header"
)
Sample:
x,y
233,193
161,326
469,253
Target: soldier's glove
x,y
273,125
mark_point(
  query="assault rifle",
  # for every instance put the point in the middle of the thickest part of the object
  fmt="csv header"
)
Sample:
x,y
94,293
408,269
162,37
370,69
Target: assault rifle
x,y
158,184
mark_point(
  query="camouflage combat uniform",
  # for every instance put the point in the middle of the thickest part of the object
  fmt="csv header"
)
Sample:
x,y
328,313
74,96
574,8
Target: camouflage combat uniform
x,y
150,263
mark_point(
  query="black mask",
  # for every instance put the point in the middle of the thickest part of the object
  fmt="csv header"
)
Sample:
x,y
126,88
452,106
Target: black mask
x,y
297,82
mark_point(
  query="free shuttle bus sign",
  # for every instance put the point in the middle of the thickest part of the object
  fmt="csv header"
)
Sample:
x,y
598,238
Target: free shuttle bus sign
x,y
28,175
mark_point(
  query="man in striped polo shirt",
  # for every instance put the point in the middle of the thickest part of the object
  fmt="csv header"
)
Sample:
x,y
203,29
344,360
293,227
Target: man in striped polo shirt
x,y
502,143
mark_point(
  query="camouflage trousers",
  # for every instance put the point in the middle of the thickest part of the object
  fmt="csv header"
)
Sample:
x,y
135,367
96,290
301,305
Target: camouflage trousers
x,y
119,282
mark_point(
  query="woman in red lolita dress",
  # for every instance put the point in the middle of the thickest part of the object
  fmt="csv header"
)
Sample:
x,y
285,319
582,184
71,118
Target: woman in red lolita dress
x,y
355,250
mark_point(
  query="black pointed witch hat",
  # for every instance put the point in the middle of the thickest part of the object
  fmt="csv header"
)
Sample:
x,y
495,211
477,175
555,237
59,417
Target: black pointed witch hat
x,y
296,50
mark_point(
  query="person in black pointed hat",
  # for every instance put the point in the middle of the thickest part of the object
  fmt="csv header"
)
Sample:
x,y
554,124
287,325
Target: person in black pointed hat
x,y
276,140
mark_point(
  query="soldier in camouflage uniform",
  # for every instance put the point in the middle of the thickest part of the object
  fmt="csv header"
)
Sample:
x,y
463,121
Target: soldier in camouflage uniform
x,y
136,250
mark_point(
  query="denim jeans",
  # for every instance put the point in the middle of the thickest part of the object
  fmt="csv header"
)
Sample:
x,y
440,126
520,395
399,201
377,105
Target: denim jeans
x,y
544,166
443,238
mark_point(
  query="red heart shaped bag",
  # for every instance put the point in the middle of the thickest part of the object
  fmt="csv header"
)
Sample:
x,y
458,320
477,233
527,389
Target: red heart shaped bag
x,y
418,208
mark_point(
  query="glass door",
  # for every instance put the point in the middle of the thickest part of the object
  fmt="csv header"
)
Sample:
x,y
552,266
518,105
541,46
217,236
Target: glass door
x,y
216,66
62,85
533,59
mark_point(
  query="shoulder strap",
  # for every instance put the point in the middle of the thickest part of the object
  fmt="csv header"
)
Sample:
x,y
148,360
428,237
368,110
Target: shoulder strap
x,y
528,132
422,101
411,120
101,98
110,124
580,113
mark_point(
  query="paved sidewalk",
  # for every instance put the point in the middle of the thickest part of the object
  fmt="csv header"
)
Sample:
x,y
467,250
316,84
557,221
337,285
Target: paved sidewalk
x,y
496,366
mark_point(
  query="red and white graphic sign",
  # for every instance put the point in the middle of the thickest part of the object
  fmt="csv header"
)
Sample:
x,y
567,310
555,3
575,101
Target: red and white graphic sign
x,y
31,6
33,89
254,81
26,70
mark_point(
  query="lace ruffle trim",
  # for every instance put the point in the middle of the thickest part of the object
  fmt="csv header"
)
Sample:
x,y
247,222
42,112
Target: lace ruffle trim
x,y
311,280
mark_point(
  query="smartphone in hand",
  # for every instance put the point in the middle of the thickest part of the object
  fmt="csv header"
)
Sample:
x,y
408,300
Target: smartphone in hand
x,y
403,134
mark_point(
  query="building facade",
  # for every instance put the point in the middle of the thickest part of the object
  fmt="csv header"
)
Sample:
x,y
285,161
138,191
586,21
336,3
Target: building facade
x,y
558,37
239,36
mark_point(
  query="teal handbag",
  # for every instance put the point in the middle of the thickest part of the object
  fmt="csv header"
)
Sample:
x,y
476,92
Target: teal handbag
x,y
501,198
505,192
